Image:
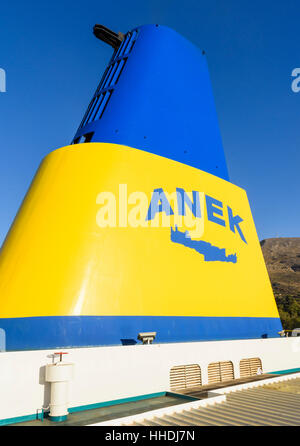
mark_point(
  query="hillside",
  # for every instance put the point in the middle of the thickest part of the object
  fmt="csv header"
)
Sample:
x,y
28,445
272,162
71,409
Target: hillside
x,y
282,257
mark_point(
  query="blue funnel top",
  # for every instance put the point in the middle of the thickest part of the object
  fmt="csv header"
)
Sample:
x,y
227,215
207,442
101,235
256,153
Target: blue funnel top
x,y
155,95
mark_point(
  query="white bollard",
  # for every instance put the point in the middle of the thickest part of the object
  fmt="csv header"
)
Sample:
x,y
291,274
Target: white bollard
x,y
59,375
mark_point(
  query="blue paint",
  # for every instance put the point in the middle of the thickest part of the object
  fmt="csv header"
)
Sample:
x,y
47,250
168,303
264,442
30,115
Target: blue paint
x,y
160,100
36,333
234,222
214,207
210,252
183,199
159,203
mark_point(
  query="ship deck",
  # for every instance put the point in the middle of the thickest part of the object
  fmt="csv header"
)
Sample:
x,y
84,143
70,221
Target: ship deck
x,y
91,416
275,404
102,414
201,391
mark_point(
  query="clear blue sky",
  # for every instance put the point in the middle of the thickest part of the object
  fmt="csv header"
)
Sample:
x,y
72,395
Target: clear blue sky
x,y
54,63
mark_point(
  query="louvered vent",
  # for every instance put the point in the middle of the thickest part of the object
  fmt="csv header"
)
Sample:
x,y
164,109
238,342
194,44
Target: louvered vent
x,y
220,371
109,80
249,367
185,376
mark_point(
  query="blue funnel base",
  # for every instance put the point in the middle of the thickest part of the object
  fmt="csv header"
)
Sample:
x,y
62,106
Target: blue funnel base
x,y
41,333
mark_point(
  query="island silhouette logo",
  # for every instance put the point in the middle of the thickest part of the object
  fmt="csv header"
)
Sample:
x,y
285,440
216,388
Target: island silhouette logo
x,y
183,212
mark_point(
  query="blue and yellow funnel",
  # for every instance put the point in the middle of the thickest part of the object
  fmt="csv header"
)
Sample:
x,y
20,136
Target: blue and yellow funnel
x,y
135,226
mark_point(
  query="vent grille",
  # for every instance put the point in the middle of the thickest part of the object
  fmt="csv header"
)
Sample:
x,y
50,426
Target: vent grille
x,y
220,371
185,376
109,80
249,367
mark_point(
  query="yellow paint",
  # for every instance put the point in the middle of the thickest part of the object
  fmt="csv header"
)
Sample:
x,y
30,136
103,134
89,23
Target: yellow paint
x,y
56,260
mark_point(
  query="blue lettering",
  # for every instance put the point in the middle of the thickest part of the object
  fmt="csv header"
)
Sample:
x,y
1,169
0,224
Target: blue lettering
x,y
183,199
234,223
159,203
214,207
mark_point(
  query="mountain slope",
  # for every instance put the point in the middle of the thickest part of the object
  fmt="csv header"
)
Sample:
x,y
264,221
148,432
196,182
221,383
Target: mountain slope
x,y
282,257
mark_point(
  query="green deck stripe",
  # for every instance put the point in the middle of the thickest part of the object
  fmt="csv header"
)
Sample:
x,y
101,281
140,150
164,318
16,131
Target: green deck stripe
x,y
283,372
114,402
14,420
31,417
